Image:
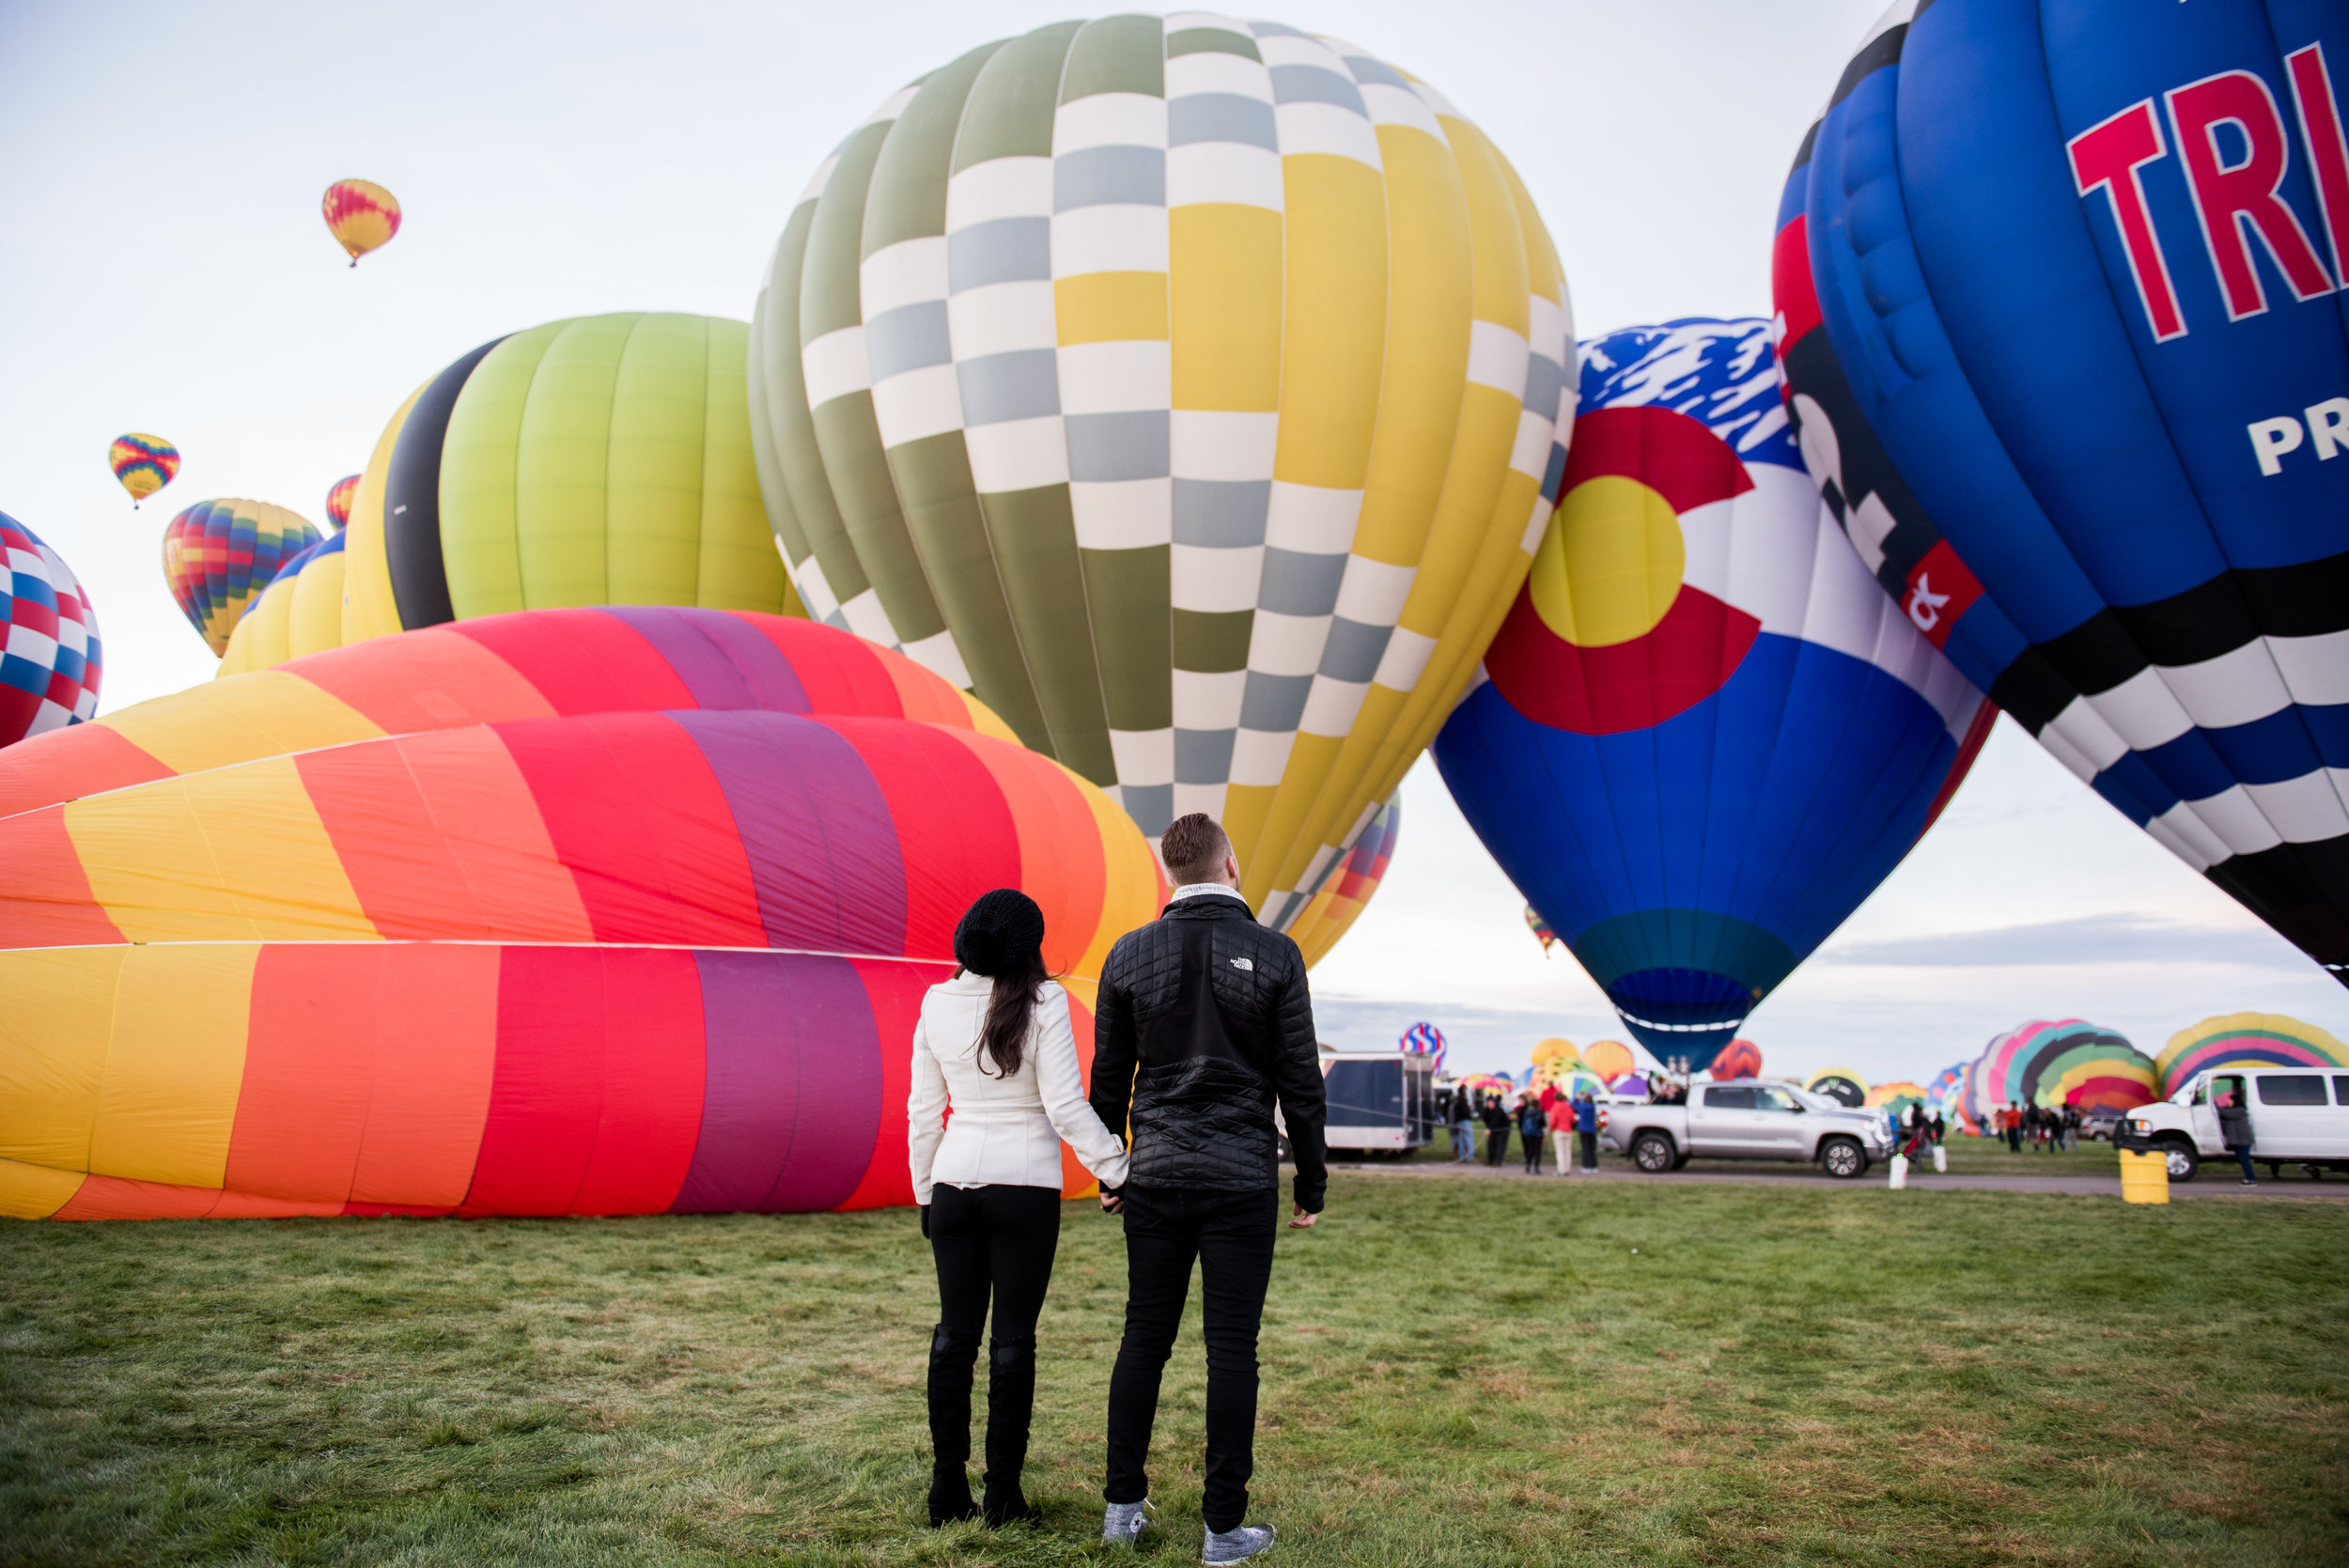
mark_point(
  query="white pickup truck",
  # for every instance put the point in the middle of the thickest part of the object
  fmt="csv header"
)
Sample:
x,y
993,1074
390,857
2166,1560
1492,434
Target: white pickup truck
x,y
1749,1119
2299,1116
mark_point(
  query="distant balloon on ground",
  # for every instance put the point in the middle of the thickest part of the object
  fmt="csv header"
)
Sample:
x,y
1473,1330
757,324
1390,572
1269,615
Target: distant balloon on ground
x,y
50,671
1739,1059
1840,1084
2058,1063
601,460
2059,287
143,464
1609,1059
338,500
1896,1096
219,555
1425,1039
360,214
2246,1040
1708,734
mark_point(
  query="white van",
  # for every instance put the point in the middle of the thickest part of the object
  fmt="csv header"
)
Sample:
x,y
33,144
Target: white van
x,y
2299,1116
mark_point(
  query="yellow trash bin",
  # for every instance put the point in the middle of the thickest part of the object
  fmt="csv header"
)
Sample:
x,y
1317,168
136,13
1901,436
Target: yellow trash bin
x,y
2144,1176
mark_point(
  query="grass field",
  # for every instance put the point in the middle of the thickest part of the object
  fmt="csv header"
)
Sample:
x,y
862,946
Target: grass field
x,y
1456,1372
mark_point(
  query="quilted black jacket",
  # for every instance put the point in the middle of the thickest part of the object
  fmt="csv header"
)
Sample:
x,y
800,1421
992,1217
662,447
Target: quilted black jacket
x,y
1205,1121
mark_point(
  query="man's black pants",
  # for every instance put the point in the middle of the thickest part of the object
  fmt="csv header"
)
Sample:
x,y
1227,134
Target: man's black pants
x,y
1231,1236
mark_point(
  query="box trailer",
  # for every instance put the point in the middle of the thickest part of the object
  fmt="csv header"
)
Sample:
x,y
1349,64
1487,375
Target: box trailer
x,y
1378,1101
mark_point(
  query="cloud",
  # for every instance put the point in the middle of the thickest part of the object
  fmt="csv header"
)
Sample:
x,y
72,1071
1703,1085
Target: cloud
x,y
2088,939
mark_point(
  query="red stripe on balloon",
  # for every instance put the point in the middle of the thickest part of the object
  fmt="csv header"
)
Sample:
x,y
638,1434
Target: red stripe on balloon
x,y
954,834
580,662
893,996
633,811
841,674
1670,453
46,898
653,1074
1626,686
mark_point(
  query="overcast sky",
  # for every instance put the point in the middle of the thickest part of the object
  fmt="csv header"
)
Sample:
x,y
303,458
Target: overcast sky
x,y
164,268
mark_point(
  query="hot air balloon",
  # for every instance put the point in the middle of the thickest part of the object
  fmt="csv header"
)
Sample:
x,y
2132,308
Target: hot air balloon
x,y
338,500
1186,389
567,911
49,677
1706,736
2245,1040
143,464
602,460
1540,927
1345,894
1895,1097
1423,1039
1609,1059
2062,1061
219,555
1840,1084
1739,1059
1945,1096
2056,290
361,216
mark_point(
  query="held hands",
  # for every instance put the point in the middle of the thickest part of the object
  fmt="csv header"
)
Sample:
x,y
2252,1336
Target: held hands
x,y
1112,1202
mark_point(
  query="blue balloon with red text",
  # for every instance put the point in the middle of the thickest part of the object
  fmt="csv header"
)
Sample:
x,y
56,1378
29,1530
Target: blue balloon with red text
x,y
2059,304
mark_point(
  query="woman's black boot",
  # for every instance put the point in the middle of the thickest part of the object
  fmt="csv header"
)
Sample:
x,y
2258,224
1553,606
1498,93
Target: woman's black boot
x,y
950,1360
1010,1400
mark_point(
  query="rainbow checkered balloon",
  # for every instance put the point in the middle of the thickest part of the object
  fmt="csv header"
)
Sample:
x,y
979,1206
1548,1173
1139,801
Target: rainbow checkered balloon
x,y
49,653
218,555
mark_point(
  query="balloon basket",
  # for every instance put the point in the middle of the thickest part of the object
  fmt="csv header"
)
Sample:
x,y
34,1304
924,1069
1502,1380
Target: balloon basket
x,y
2144,1176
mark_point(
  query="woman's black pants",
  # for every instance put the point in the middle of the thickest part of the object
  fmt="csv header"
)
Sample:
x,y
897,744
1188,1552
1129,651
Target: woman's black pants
x,y
1496,1145
995,1241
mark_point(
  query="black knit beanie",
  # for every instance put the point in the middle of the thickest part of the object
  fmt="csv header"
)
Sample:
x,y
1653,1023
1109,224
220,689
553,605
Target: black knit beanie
x,y
999,933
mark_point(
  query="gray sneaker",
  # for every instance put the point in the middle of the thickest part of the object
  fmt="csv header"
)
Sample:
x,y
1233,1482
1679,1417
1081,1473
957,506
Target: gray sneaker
x,y
1123,1522
1236,1545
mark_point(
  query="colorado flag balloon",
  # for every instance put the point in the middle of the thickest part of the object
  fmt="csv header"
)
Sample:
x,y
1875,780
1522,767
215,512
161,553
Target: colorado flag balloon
x,y
2057,284
1706,736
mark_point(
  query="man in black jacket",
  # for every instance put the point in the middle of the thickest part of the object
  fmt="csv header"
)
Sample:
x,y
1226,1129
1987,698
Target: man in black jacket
x,y
1203,1023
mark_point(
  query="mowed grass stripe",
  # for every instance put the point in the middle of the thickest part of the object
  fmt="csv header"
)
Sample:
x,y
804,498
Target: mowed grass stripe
x,y
1456,1372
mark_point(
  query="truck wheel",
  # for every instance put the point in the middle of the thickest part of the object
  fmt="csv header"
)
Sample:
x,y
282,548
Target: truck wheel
x,y
1842,1159
2181,1157
1653,1151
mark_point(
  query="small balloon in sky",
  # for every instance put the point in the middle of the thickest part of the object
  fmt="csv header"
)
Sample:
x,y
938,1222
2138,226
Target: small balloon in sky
x,y
338,499
143,464
361,216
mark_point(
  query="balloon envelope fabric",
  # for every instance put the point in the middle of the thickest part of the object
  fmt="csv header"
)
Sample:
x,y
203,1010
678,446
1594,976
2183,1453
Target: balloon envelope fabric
x,y
2066,1061
50,656
219,555
1190,388
2062,334
604,459
1840,1084
613,910
2246,1040
1316,927
1739,1059
1706,736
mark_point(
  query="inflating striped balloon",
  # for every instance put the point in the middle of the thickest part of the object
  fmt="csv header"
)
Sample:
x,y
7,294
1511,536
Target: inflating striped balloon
x,y
585,911
2246,1040
1192,389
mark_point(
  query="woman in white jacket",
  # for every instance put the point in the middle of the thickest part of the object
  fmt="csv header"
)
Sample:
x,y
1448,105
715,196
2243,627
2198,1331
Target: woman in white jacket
x,y
996,1087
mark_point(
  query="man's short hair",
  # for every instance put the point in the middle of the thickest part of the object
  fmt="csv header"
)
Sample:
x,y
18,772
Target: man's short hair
x,y
1193,848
